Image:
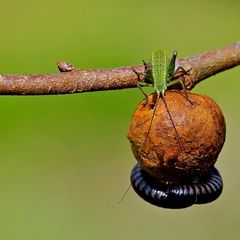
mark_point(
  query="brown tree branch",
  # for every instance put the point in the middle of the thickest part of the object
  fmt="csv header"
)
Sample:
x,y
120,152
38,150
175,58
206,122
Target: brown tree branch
x,y
71,80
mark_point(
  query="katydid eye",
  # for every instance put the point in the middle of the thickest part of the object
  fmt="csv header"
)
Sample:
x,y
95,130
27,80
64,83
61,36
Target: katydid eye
x,y
176,196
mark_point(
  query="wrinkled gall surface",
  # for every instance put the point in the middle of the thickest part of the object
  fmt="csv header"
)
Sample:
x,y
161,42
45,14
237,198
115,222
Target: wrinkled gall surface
x,y
201,128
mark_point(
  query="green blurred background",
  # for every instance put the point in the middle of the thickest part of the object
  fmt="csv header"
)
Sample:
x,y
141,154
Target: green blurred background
x,y
65,160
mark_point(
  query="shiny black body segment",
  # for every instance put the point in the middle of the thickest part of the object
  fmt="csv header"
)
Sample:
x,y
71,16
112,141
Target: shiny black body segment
x,y
176,196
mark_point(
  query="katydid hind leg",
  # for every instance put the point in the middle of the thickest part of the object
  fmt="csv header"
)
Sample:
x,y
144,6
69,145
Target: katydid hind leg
x,y
179,72
170,117
183,72
151,121
185,92
183,88
173,124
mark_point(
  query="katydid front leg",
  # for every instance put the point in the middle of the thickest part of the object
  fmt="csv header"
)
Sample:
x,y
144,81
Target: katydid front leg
x,y
140,83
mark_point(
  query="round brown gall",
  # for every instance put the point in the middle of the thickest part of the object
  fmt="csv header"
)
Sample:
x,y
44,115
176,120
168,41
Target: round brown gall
x,y
187,152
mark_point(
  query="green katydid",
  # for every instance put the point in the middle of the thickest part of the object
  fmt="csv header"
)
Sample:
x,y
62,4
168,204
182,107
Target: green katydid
x,y
159,74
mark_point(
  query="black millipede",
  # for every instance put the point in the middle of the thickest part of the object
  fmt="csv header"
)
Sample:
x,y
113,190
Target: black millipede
x,y
176,196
